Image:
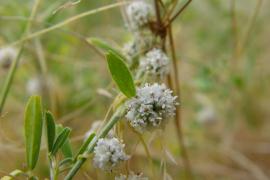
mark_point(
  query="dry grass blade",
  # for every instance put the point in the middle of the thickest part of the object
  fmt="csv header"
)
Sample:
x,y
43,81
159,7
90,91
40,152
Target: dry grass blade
x,y
68,21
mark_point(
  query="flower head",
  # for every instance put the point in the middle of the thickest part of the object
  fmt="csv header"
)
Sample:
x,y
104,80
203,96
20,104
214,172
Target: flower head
x,y
151,108
131,176
139,14
108,153
7,55
156,63
137,45
131,49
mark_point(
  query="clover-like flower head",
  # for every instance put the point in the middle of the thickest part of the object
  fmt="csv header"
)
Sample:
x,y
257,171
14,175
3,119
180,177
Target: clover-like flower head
x,y
151,108
108,153
139,14
131,49
155,62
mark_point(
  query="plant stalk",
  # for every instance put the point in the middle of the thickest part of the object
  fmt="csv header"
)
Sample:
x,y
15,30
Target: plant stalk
x,y
104,131
178,121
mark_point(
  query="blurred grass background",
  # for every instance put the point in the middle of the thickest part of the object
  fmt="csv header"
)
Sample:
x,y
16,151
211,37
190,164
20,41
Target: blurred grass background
x,y
233,86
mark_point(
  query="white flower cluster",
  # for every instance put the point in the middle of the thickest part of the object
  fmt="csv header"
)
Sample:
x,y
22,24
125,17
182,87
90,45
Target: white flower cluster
x,y
151,108
108,153
139,14
131,176
137,45
155,62
7,55
131,49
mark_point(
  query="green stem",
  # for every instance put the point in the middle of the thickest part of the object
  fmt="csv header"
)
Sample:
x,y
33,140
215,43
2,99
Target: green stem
x,y
55,175
9,79
51,167
104,131
15,63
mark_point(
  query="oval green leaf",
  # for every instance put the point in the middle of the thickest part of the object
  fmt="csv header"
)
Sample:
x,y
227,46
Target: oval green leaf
x,y
121,74
33,130
50,126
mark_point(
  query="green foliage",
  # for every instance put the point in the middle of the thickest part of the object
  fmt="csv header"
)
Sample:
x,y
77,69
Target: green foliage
x,y
33,130
60,140
50,126
84,145
62,135
66,148
121,74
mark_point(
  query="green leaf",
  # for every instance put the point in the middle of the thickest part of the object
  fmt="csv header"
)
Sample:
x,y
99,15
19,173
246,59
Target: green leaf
x,y
65,161
33,130
104,46
50,126
85,145
66,148
121,74
60,140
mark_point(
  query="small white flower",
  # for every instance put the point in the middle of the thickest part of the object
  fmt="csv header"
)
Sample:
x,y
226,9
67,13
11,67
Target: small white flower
x,y
151,108
7,55
139,14
108,153
95,127
131,176
156,63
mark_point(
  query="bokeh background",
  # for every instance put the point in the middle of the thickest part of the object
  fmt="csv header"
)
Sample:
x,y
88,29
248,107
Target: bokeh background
x,y
223,50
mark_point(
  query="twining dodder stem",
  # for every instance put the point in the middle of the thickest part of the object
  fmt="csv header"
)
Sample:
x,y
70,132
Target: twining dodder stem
x,y
119,113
